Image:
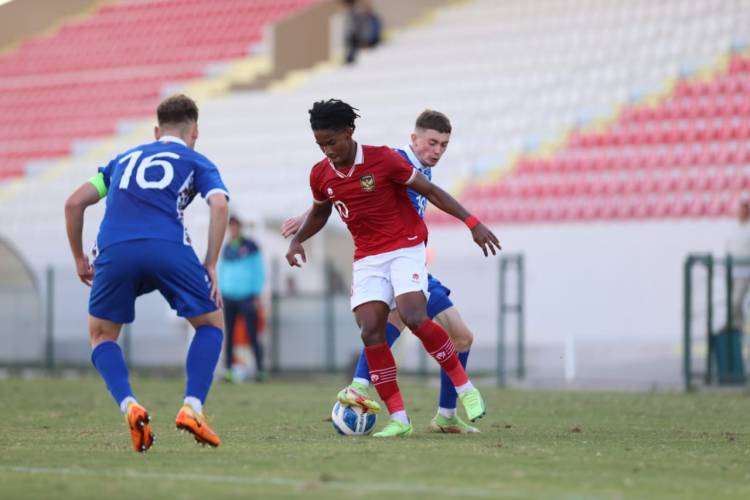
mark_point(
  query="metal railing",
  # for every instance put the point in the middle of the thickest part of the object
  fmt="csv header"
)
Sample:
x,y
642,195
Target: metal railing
x,y
710,264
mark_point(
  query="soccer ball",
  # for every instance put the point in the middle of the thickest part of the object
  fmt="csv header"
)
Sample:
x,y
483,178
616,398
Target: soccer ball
x,y
352,420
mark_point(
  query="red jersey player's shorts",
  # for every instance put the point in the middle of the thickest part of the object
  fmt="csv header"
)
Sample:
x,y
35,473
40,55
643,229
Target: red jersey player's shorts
x,y
385,276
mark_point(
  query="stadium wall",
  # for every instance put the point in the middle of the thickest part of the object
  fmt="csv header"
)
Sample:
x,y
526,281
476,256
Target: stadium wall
x,y
611,290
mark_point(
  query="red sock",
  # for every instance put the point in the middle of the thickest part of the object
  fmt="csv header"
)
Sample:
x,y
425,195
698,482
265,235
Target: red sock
x,y
439,345
383,375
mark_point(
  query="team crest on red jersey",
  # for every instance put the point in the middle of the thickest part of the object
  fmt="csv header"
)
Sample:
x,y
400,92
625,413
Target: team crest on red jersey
x,y
367,182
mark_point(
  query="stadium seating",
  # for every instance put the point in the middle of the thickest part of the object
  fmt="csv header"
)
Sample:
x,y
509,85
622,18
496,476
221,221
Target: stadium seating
x,y
548,67
686,156
515,76
79,82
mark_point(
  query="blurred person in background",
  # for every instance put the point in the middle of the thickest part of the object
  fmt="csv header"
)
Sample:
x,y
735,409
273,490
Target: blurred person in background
x,y
241,278
738,246
363,28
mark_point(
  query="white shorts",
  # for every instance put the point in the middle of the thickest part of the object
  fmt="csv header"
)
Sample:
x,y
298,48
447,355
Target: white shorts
x,y
385,276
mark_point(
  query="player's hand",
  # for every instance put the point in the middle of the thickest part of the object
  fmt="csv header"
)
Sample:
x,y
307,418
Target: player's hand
x,y
85,270
486,239
215,294
292,225
295,249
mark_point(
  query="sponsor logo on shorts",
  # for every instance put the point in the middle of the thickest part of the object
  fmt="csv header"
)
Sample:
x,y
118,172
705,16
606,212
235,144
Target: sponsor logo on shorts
x,y
415,277
329,191
367,182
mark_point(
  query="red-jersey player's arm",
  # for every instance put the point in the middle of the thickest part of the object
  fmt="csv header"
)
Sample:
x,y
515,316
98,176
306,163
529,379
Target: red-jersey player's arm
x,y
316,218
448,204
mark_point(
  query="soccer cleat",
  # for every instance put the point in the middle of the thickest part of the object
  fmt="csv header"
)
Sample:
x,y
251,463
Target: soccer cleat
x,y
453,425
394,428
197,425
356,395
139,422
473,404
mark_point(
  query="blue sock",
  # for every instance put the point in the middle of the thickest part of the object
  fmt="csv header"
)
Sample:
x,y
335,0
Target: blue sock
x,y
202,357
448,394
108,360
363,371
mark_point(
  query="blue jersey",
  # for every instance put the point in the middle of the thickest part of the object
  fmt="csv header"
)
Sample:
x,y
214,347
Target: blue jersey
x,y
149,187
417,200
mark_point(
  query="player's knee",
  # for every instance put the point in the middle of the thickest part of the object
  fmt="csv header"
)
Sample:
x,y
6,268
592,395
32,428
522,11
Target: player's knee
x,y
414,319
463,340
215,318
372,336
98,335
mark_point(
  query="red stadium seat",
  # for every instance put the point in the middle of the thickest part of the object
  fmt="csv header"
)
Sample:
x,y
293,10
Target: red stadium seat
x,y
58,101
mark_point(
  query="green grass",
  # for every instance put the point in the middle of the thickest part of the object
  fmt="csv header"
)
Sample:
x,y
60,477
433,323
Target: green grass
x,y
66,439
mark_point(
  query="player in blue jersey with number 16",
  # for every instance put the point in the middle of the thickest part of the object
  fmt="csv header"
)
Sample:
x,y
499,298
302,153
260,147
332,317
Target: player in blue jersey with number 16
x,y
143,246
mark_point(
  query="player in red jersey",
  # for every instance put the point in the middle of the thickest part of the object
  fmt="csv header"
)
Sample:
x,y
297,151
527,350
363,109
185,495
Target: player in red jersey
x,y
367,186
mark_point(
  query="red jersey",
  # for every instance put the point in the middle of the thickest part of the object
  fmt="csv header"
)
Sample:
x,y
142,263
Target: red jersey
x,y
371,199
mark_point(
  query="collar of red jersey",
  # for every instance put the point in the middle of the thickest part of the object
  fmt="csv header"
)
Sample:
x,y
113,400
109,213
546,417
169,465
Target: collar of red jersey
x,y
170,138
359,158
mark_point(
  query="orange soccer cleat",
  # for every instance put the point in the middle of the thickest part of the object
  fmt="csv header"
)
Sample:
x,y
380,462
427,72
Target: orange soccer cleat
x,y
140,427
196,424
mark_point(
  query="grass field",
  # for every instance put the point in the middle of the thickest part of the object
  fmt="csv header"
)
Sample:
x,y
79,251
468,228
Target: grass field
x,y
66,439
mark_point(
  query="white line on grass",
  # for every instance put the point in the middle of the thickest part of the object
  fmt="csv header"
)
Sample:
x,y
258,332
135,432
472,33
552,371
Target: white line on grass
x,y
273,481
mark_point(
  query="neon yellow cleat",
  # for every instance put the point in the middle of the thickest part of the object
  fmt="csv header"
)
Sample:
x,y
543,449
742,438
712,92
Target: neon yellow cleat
x,y
394,428
453,425
356,395
473,404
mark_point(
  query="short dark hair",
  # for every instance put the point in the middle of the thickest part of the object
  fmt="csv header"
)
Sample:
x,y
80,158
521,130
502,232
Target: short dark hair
x,y
177,109
434,120
332,114
233,219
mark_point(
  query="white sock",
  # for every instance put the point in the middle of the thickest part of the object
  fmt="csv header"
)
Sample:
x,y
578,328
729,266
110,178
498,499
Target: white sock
x,y
194,403
464,388
362,381
400,416
125,402
446,412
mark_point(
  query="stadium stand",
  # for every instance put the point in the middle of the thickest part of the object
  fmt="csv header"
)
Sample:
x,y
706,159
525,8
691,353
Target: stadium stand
x,y
537,80
80,81
685,156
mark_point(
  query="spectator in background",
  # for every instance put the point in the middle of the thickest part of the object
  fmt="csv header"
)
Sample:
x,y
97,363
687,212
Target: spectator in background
x,y
363,28
738,246
241,278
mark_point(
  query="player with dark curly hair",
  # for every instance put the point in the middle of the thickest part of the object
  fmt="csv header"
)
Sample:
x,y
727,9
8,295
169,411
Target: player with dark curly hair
x,y
368,187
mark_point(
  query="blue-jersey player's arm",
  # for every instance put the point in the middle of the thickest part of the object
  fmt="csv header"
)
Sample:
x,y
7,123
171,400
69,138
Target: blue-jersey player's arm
x,y
86,195
210,186
217,227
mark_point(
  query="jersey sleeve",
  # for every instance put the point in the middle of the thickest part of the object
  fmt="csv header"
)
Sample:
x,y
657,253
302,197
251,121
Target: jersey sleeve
x,y
207,179
316,187
399,170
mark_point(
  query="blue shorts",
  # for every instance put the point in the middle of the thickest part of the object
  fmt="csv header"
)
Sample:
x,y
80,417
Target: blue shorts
x,y
125,270
438,301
